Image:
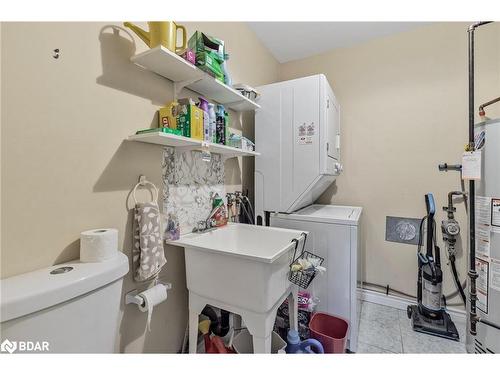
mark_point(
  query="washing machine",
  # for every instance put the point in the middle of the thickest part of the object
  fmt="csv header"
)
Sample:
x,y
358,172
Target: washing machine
x,y
334,234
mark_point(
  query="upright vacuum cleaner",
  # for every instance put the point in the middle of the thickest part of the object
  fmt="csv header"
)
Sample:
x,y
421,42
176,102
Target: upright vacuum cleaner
x,y
429,316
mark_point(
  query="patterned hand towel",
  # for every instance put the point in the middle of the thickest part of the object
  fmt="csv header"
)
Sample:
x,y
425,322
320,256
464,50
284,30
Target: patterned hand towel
x,y
148,254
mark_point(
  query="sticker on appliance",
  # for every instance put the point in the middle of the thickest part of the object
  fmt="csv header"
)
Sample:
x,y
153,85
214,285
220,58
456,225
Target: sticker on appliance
x,y
483,227
482,269
471,165
483,210
306,133
483,236
495,274
495,214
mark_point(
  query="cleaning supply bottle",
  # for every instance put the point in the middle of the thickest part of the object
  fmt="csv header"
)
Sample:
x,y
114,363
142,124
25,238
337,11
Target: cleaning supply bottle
x,y
295,346
220,125
212,122
203,103
227,77
219,209
206,119
226,126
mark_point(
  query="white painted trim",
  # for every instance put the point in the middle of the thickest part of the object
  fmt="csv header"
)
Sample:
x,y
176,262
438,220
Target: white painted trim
x,y
401,303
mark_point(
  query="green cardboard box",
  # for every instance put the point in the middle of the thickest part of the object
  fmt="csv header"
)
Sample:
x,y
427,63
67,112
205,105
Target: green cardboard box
x,y
190,119
209,53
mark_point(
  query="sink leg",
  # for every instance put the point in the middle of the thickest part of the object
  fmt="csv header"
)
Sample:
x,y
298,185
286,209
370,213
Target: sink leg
x,y
261,345
293,311
193,330
260,326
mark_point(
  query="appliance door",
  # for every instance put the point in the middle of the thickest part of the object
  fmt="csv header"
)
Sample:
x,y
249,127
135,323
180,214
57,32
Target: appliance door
x,y
299,141
332,125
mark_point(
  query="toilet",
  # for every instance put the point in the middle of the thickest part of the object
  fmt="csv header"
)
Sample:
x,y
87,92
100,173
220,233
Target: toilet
x,y
67,308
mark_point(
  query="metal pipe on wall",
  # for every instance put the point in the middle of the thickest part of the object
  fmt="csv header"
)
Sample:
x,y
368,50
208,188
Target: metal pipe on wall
x,y
472,196
482,106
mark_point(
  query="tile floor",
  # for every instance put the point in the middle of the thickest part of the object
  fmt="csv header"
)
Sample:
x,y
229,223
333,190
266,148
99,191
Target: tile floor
x,y
384,329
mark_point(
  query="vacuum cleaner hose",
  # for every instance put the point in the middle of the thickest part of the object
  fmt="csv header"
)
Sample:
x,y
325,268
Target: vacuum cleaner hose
x,y
457,281
389,290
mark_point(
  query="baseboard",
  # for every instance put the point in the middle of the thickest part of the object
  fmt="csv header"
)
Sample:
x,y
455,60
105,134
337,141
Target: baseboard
x,y
401,303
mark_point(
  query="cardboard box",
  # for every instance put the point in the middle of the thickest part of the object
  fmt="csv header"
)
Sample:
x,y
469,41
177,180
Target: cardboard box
x,y
167,116
209,63
156,130
209,53
190,119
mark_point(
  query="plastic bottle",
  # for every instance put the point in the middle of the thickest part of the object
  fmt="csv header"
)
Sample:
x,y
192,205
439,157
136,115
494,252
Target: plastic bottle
x,y
295,346
220,215
227,77
220,125
206,120
212,118
224,57
203,103
226,125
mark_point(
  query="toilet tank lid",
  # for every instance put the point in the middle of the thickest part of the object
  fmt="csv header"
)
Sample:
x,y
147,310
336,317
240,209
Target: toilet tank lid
x,y
33,291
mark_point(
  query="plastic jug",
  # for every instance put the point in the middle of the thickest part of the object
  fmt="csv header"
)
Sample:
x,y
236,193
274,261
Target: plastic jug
x,y
295,346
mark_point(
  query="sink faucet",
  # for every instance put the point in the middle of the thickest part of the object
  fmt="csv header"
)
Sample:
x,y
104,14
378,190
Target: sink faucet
x,y
233,207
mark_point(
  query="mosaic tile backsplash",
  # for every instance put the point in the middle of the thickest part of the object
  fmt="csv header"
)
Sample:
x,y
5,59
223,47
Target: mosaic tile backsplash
x,y
188,184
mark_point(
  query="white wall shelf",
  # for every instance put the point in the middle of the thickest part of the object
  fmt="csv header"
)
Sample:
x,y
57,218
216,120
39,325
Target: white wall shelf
x,y
172,140
184,74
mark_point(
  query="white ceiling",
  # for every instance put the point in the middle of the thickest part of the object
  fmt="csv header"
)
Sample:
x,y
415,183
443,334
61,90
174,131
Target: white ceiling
x,y
295,40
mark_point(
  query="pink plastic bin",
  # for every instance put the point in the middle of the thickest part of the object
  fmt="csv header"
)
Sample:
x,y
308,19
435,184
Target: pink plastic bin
x,y
330,330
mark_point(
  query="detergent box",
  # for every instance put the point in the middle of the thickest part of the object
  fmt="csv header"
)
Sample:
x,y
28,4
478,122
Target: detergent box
x,y
190,119
167,116
209,53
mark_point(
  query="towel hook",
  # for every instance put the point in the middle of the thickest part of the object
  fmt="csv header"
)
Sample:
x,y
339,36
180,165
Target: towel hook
x,y
143,182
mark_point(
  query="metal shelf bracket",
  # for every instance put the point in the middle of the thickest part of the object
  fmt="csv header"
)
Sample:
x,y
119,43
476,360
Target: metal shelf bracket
x,y
179,85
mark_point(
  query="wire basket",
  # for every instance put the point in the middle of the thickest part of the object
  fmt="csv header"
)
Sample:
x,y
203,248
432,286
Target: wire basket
x,y
303,278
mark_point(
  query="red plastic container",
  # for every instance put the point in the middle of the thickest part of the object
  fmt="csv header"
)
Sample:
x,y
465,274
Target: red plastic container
x,y
330,330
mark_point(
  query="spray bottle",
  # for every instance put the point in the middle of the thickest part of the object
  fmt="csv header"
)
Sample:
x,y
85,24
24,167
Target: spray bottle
x,y
212,122
220,125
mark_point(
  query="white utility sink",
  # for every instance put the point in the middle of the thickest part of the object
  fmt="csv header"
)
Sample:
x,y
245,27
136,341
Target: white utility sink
x,y
252,242
241,268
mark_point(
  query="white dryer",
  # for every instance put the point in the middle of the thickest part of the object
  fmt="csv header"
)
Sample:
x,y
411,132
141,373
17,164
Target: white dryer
x,y
297,133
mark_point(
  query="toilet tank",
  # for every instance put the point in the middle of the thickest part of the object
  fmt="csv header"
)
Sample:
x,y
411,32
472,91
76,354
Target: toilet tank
x,y
68,308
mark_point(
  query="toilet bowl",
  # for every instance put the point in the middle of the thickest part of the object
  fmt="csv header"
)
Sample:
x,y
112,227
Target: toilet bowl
x,y
68,308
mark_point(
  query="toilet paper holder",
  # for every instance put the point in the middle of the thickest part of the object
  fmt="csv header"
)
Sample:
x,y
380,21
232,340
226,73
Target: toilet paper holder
x,y
133,296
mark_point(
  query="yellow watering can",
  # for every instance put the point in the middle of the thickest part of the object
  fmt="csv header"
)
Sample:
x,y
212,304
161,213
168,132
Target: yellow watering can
x,y
161,33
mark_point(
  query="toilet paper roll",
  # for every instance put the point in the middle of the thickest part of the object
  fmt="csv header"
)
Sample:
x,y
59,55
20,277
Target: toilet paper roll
x,y
97,245
152,297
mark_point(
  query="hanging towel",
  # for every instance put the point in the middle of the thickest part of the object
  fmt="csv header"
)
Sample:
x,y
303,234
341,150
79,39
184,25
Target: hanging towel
x,y
148,254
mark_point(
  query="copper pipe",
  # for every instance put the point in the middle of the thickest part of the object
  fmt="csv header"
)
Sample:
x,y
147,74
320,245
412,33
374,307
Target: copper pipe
x,y
481,107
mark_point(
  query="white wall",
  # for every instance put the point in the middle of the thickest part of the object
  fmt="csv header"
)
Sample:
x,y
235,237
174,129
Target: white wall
x,y
403,111
66,166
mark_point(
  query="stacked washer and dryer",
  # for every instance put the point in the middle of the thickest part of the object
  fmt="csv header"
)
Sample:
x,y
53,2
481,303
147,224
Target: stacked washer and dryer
x,y
297,130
